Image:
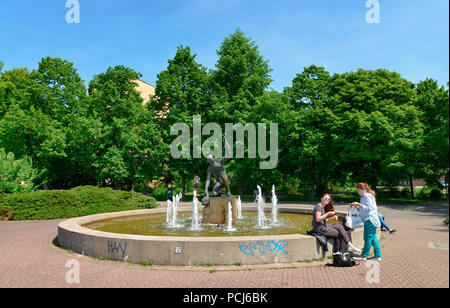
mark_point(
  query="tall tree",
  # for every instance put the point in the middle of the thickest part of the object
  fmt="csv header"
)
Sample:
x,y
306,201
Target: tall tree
x,y
309,97
372,110
14,85
240,78
126,141
433,101
34,134
65,86
182,92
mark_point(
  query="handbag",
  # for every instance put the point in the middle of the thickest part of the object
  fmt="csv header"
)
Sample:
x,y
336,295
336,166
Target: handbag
x,y
353,219
343,260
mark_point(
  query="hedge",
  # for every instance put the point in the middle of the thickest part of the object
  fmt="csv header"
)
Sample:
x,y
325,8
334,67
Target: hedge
x,y
80,201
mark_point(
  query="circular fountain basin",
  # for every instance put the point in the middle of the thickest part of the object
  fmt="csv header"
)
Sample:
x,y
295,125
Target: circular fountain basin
x,y
179,249
156,225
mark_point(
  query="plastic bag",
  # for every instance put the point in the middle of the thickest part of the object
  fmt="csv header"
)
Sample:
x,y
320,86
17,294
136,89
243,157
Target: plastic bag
x,y
353,219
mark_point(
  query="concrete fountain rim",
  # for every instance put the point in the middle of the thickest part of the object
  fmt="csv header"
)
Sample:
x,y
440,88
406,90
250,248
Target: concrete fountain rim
x,y
76,225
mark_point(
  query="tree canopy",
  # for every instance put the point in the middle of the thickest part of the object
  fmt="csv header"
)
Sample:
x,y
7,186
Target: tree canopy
x,y
333,129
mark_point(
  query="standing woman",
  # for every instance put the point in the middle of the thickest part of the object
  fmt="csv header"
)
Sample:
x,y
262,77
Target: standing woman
x,y
369,214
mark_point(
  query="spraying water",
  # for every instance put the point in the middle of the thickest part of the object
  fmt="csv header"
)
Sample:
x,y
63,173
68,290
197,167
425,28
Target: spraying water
x,y
260,205
173,221
169,212
195,220
239,205
230,218
274,206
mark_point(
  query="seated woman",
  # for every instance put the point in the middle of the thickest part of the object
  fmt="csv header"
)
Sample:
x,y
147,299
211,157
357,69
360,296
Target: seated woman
x,y
384,226
336,231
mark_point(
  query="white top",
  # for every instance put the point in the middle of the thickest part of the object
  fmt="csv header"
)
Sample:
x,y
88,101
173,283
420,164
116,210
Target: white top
x,y
369,209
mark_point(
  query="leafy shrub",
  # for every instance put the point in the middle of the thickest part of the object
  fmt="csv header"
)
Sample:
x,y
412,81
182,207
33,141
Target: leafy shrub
x,y
160,193
5,211
424,193
428,193
80,201
435,194
16,175
405,193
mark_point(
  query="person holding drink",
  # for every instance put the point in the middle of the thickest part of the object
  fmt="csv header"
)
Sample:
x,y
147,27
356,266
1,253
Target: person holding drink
x,y
336,231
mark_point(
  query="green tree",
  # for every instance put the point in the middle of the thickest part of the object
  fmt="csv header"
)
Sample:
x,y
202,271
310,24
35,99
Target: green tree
x,y
375,118
311,137
34,134
58,89
182,92
13,88
239,80
122,132
433,101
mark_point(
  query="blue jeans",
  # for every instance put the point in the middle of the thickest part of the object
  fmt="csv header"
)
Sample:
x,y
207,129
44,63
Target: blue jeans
x,y
383,223
370,239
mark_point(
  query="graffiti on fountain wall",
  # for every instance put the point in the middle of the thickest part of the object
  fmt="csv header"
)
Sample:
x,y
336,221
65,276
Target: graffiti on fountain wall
x,y
251,249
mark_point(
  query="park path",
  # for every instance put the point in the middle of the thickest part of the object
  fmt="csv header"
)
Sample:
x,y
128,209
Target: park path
x,y
413,257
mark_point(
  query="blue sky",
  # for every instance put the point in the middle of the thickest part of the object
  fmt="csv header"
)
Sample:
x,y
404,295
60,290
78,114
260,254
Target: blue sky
x,y
411,38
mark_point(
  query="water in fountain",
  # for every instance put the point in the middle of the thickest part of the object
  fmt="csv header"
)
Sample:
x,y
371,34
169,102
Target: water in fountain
x,y
274,206
169,212
260,206
239,205
230,219
173,221
195,220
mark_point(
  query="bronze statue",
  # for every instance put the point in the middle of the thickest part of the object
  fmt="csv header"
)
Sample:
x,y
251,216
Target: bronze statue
x,y
217,170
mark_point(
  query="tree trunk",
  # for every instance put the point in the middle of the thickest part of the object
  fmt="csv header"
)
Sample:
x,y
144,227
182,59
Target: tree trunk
x,y
411,186
241,190
312,180
183,187
312,191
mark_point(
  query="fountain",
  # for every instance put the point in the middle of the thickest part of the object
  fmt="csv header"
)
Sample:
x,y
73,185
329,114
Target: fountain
x,y
274,207
186,236
239,206
173,222
172,211
260,206
195,219
169,212
230,219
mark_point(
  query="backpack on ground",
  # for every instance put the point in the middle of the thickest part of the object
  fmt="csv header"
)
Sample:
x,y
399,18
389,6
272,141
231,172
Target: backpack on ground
x,y
343,260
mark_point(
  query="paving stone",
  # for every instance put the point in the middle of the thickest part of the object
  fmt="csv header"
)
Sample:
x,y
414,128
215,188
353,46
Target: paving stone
x,y
29,259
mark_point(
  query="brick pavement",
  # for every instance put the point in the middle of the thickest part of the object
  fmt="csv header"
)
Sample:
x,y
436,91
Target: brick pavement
x,y
29,259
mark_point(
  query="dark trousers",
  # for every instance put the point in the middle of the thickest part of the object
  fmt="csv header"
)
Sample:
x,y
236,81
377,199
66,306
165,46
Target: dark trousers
x,y
336,232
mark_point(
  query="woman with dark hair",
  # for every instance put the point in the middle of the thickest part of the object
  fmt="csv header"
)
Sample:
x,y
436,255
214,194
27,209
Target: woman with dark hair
x,y
336,231
369,214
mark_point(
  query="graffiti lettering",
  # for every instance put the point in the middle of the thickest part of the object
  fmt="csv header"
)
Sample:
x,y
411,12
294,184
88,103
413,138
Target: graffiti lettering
x,y
261,247
113,247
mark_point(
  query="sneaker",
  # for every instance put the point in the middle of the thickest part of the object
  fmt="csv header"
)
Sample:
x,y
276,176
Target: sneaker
x,y
378,259
360,258
354,250
392,231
